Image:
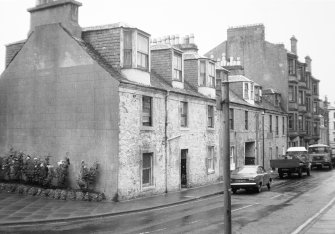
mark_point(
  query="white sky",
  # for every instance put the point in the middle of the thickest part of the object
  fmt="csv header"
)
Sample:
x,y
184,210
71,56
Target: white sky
x,y
311,21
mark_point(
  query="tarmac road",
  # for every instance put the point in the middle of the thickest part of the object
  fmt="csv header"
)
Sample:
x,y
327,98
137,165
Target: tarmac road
x,y
281,210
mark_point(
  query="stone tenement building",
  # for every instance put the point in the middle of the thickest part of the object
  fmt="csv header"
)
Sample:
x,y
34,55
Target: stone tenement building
x,y
257,122
148,116
271,65
331,127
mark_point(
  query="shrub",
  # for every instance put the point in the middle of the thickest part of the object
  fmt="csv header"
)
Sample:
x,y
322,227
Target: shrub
x,y
62,172
87,177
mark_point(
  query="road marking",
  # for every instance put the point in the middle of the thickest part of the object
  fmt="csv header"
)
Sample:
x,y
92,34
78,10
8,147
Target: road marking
x,y
162,229
276,196
195,221
244,207
310,220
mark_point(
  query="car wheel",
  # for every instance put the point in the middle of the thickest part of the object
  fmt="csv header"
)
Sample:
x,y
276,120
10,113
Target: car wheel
x,y
269,185
330,166
308,172
300,173
259,188
234,190
281,175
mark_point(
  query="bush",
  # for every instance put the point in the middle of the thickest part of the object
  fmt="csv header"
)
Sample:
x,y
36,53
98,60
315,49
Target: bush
x,y
87,177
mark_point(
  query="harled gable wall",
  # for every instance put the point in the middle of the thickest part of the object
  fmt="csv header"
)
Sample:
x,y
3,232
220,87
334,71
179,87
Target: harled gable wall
x,y
56,100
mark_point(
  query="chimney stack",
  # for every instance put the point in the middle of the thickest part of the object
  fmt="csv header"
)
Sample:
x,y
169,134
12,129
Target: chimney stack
x,y
308,62
64,12
294,45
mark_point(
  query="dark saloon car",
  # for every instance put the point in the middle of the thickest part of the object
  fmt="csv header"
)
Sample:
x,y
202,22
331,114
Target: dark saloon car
x,y
250,177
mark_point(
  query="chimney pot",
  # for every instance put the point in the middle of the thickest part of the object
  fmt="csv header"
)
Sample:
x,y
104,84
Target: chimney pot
x,y
294,45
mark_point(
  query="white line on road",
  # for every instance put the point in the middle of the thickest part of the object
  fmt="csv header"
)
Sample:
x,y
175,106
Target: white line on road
x,y
276,196
310,220
244,207
158,230
195,221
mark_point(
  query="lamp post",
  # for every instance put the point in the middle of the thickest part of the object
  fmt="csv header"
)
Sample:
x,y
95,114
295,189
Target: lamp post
x,y
226,160
263,156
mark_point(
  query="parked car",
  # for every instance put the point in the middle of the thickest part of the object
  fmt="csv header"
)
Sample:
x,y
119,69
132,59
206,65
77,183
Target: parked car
x,y
250,177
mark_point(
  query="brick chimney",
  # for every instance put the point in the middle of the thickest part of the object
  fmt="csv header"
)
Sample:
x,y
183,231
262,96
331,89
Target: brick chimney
x,y
294,45
308,62
64,12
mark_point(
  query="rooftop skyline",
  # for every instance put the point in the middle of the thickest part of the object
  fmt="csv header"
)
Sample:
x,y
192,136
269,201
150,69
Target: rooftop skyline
x,y
308,20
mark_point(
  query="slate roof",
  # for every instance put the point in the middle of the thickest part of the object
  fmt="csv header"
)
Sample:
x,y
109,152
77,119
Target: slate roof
x,y
159,82
107,26
235,98
164,47
238,78
270,91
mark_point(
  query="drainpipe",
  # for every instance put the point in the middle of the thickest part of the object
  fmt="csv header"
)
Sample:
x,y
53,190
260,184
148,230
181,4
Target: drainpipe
x,y
166,139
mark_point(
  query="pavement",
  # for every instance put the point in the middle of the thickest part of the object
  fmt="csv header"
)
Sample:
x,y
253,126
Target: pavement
x,y
18,209
322,222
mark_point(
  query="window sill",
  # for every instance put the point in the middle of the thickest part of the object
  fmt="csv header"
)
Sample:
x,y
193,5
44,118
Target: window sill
x,y
210,129
147,128
184,128
147,188
210,171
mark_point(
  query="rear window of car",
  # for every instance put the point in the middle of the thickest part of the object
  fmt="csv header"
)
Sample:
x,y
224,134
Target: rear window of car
x,y
245,170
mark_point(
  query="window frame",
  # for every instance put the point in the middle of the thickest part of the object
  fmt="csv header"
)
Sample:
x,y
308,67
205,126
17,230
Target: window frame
x,y
150,113
277,126
143,54
210,116
270,123
177,60
210,160
246,120
151,169
127,49
183,114
202,75
211,75
246,90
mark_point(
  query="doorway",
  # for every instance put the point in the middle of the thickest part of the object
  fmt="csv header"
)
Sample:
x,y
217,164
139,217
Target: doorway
x,y
183,168
249,153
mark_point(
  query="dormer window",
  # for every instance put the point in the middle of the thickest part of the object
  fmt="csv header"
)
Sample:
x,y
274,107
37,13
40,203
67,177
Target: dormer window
x,y
277,100
211,75
207,74
141,46
202,73
142,52
291,67
252,91
127,49
177,67
246,91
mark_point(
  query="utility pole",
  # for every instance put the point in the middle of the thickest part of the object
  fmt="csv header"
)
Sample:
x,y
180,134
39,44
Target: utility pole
x,y
263,154
226,159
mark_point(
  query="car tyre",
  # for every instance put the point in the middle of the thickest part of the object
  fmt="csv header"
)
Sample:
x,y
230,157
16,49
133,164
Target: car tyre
x,y
281,175
330,167
259,188
308,172
300,173
234,190
269,185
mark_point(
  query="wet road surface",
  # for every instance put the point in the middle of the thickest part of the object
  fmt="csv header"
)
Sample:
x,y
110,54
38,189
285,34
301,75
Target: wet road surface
x,y
280,210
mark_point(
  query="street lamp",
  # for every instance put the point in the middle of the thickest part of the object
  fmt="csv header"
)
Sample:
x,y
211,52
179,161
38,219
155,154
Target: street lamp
x,y
263,156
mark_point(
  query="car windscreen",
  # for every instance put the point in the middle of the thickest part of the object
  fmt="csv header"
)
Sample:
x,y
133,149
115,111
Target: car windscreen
x,y
295,153
319,150
245,170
